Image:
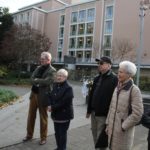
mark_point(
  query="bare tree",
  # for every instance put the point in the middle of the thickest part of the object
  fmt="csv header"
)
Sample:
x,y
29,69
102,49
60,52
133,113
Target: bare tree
x,y
22,44
123,49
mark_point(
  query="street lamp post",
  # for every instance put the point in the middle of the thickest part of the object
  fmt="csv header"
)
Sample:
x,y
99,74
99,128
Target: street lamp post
x,y
143,8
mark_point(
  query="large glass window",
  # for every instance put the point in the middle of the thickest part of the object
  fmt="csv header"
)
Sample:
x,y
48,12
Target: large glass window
x,y
72,42
109,12
74,17
107,41
81,29
73,30
89,41
108,27
61,32
62,20
89,28
82,16
80,42
90,14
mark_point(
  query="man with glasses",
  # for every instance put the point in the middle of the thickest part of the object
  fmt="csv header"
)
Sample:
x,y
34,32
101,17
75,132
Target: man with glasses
x,y
41,79
100,96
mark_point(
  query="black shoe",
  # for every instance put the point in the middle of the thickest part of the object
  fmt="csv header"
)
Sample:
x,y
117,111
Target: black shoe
x,y
26,139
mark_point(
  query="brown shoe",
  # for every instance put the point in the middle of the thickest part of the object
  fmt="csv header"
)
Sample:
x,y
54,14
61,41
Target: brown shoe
x,y
27,139
42,142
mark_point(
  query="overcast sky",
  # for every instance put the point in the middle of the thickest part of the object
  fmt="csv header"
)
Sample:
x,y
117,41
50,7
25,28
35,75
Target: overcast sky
x,y
14,5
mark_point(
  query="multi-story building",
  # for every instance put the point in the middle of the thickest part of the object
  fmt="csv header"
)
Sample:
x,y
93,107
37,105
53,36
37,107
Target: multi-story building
x,y
88,29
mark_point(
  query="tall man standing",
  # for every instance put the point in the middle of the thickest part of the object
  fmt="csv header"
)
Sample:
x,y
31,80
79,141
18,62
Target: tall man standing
x,y
41,79
100,97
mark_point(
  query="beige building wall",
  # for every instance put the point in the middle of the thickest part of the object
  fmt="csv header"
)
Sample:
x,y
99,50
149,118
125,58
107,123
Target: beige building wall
x,y
51,30
126,25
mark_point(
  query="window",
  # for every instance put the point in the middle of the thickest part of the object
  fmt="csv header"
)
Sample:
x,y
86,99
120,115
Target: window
x,y
107,41
87,56
82,15
61,32
59,56
108,27
107,53
81,29
89,41
15,18
89,28
72,42
28,16
79,56
74,17
90,14
60,45
80,42
109,12
21,18
62,20
73,30
72,53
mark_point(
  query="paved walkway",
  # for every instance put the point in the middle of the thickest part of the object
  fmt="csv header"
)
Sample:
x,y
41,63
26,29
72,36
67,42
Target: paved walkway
x,y
13,128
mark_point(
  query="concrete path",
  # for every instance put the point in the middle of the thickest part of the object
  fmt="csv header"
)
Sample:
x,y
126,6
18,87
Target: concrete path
x,y
13,128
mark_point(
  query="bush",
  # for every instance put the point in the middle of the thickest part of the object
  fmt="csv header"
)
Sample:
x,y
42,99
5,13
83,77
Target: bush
x,y
3,71
145,83
7,96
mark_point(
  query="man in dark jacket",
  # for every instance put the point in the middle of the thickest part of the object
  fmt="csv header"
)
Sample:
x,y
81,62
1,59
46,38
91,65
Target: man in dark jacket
x,y
100,96
41,79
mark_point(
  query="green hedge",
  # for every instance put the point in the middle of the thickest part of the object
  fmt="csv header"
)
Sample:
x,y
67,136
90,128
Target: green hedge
x,y
145,83
7,96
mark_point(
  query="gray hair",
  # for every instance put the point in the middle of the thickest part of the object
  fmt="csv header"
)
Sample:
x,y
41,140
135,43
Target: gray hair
x,y
129,67
63,72
46,55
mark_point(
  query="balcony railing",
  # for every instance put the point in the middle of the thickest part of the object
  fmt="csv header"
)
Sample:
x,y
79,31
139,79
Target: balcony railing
x,y
78,60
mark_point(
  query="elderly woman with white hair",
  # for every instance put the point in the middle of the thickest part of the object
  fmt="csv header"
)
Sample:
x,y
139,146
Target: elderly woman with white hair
x,y
61,108
126,109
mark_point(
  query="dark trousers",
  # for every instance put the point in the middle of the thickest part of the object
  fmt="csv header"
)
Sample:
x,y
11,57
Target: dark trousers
x,y
61,134
148,139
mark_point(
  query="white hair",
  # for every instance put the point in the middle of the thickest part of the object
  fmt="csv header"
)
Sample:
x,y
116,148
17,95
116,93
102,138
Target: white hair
x,y
129,67
46,55
63,72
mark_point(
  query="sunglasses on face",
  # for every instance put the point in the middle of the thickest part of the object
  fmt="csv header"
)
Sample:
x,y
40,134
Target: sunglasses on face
x,y
101,63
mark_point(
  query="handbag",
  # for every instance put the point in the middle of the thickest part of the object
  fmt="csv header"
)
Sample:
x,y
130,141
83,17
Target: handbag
x,y
145,120
102,139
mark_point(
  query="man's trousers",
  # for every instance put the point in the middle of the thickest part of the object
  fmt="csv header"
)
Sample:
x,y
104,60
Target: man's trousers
x,y
34,105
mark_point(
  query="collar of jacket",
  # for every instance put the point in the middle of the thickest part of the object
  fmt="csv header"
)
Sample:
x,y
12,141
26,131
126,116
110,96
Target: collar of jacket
x,y
106,73
127,85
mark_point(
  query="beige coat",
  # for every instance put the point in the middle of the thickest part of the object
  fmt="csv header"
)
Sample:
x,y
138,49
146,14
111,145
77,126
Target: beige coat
x,y
118,117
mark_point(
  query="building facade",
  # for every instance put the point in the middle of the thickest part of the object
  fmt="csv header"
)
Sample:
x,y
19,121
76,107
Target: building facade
x,y
90,29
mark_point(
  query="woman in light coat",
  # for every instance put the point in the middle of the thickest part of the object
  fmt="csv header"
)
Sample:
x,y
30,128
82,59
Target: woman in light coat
x,y
122,118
